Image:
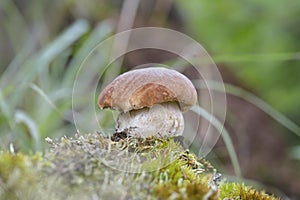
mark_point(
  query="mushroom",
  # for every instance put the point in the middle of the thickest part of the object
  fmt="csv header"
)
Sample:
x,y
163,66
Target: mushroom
x,y
150,100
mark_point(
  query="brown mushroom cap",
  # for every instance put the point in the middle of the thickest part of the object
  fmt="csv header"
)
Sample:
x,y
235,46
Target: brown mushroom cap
x,y
145,87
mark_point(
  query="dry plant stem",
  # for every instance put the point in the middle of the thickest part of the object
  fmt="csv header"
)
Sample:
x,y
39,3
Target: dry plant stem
x,y
126,20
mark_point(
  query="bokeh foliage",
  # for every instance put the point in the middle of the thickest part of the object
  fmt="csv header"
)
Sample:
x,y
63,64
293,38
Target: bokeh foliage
x,y
258,40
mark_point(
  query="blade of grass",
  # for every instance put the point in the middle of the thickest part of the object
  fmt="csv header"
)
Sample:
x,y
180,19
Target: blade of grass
x,y
68,37
284,56
126,20
6,111
251,98
225,135
257,57
22,46
39,91
44,96
22,117
102,31
41,60
13,22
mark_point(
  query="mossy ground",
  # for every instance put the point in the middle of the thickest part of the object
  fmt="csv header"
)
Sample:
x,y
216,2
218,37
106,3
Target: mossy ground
x,y
94,167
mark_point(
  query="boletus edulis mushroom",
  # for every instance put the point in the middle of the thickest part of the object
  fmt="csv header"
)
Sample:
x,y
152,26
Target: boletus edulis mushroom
x,y
150,100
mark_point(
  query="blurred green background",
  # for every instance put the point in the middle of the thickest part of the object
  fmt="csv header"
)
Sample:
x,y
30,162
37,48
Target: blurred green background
x,y
254,43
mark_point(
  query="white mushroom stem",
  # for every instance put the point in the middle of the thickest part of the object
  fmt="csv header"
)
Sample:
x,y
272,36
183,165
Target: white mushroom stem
x,y
160,120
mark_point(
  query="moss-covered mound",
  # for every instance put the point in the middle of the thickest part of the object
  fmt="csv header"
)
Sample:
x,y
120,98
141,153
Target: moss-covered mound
x,y
94,167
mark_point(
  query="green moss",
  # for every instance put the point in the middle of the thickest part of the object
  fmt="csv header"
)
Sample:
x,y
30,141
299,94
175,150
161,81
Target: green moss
x,y
240,191
94,167
17,172
187,178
